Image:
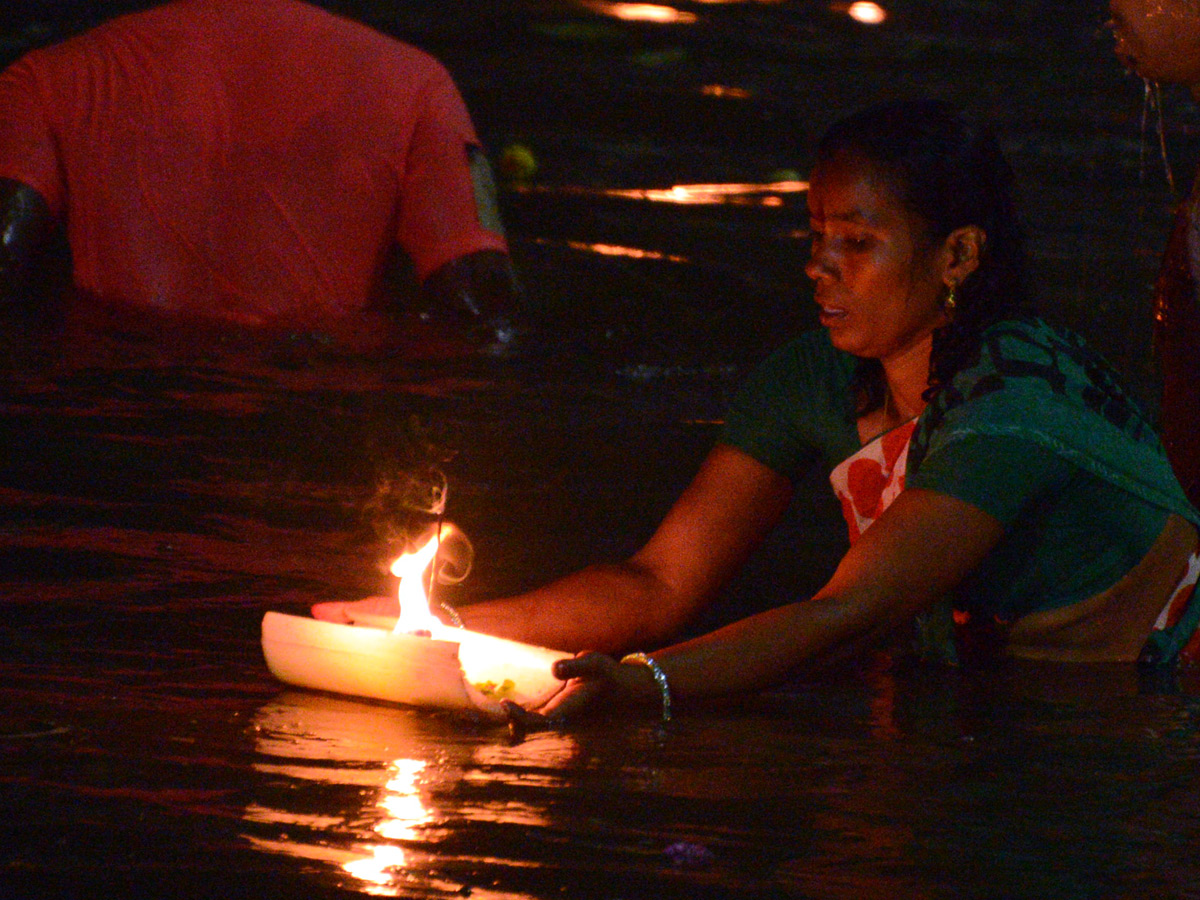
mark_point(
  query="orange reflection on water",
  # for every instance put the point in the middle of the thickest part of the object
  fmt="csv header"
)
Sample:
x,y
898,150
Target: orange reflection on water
x,y
405,766
865,11
629,252
769,193
642,12
721,90
405,812
378,871
700,194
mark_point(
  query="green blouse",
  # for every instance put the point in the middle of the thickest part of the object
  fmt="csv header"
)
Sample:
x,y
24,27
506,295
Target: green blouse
x,y
1036,433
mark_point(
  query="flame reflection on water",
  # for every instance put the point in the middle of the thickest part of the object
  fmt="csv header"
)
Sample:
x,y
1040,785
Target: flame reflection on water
x,y
641,12
769,194
401,801
616,250
724,90
865,11
409,781
766,194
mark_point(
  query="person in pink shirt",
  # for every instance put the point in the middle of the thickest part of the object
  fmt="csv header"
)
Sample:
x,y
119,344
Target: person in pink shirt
x,y
252,165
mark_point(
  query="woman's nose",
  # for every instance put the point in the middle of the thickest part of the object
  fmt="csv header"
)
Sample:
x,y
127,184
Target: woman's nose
x,y
817,265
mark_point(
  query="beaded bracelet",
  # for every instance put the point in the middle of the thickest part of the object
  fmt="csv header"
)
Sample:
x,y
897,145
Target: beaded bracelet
x,y
660,678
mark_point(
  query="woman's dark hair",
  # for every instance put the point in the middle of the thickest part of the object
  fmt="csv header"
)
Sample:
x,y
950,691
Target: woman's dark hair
x,y
949,173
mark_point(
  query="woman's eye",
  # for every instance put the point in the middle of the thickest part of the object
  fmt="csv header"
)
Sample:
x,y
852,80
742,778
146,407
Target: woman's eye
x,y
838,240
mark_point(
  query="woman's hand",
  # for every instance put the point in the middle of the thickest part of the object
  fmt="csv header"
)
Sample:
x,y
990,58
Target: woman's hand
x,y
592,679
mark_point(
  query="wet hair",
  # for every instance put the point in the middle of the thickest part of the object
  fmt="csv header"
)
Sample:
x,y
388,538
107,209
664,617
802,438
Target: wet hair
x,y
949,173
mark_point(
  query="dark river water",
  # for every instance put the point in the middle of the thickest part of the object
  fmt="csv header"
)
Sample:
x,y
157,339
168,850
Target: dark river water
x,y
153,507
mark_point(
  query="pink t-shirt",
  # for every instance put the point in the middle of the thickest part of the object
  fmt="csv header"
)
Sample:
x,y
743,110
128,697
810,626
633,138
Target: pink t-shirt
x,y
244,161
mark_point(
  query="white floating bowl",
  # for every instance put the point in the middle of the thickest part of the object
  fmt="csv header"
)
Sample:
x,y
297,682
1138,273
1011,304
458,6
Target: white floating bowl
x,y
455,669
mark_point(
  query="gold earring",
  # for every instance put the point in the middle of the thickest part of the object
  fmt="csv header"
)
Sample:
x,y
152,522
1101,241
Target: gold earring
x,y
951,300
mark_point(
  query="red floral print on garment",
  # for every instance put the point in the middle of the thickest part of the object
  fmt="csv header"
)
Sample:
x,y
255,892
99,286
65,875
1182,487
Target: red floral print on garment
x,y
867,482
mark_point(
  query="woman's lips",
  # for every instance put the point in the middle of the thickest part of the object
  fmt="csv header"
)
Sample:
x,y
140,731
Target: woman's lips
x,y
831,315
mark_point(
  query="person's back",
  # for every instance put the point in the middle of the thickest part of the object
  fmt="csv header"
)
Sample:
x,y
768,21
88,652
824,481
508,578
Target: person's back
x,y
245,161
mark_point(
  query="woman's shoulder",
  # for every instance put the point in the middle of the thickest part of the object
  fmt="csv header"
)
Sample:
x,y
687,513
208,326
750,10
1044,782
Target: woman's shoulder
x,y
794,402
810,353
1029,333
805,370
1041,383
1038,354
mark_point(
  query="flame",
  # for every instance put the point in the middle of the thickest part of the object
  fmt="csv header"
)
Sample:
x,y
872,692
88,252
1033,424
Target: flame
x,y
414,599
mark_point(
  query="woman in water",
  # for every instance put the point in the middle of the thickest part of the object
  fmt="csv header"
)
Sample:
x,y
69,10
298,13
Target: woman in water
x,y
980,455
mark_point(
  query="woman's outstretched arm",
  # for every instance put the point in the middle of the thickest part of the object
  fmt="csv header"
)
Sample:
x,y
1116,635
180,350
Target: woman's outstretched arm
x,y
923,546
642,602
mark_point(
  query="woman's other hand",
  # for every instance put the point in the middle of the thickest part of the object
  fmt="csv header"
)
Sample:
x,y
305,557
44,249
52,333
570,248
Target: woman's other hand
x,y
346,612
593,679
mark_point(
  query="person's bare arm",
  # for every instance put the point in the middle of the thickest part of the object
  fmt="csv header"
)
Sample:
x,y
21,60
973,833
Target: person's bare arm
x,y
923,546
714,525
25,223
477,297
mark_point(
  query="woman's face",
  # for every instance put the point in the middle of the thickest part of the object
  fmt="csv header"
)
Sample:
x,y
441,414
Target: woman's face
x,y
879,281
1159,39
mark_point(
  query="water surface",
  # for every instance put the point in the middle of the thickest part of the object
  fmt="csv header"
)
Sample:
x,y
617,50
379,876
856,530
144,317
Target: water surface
x,y
153,508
